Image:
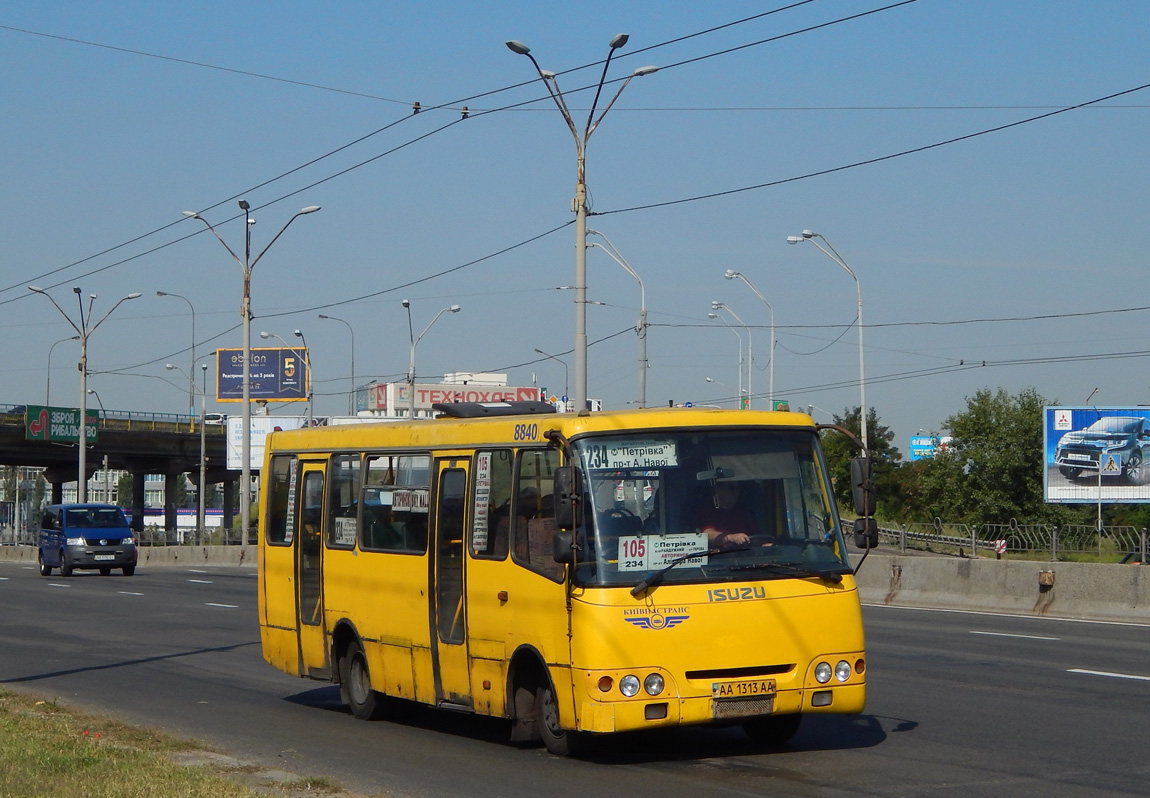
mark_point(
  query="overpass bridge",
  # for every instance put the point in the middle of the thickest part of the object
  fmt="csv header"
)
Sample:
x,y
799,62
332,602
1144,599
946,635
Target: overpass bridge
x,y
139,443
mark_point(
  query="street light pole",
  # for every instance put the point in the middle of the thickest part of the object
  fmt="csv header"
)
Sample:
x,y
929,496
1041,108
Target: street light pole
x,y
579,205
351,393
307,376
717,317
302,355
415,343
830,252
191,377
731,275
566,381
642,328
716,305
247,264
48,381
83,332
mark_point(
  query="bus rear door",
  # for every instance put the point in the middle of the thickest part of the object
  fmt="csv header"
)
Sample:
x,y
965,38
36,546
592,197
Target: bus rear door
x,y
449,615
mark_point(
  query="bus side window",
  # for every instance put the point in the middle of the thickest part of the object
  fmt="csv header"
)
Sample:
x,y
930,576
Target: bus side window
x,y
491,517
535,526
276,531
343,503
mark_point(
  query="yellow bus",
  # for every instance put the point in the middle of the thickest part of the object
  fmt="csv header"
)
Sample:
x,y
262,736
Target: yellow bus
x,y
578,575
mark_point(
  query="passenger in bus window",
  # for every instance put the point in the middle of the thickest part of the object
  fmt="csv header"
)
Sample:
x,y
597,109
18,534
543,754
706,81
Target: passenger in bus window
x,y
721,516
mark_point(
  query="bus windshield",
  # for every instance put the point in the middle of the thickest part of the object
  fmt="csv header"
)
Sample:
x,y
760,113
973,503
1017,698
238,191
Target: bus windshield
x,y
706,506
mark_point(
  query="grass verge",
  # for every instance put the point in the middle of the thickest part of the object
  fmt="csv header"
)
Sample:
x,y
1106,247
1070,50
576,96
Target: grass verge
x,y
49,750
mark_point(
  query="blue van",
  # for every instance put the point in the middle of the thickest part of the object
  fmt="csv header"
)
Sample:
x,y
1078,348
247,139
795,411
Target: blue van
x,y
86,536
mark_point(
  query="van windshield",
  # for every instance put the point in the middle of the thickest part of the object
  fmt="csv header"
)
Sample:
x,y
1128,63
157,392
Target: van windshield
x,y
94,518
749,504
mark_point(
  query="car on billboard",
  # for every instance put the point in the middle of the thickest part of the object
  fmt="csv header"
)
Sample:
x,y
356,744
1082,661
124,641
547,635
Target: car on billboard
x,y
1123,441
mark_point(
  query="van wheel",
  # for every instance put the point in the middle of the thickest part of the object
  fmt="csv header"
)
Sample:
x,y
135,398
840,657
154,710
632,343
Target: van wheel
x,y
65,566
365,703
559,741
129,570
45,570
773,729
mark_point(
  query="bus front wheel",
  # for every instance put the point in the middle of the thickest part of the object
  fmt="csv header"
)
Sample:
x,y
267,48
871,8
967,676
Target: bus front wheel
x,y
365,703
559,741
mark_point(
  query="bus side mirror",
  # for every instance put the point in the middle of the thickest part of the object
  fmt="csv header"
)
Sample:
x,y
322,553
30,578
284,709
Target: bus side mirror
x,y
561,548
866,533
566,498
862,486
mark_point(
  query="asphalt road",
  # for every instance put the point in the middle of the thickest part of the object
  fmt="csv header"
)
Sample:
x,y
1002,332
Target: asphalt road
x,y
959,704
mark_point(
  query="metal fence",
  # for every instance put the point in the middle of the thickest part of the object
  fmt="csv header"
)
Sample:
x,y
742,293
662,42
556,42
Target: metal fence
x,y
1015,540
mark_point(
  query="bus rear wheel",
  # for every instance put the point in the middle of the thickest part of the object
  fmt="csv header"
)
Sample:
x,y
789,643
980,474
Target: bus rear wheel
x,y
559,741
365,703
773,729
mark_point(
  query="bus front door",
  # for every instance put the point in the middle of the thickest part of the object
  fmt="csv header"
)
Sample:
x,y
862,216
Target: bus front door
x,y
449,615
313,655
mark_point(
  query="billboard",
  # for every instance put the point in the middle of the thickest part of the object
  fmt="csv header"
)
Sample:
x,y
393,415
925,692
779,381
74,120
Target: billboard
x,y
276,375
1096,454
381,396
59,424
262,426
923,447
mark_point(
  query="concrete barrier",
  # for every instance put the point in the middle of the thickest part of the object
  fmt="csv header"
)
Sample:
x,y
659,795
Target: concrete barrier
x,y
162,556
1089,591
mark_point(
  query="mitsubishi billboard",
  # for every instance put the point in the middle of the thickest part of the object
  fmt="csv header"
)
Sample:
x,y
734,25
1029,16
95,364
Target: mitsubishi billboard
x,y
1096,454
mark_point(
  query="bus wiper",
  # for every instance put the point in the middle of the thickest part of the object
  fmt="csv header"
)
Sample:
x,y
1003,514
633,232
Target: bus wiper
x,y
656,579
793,570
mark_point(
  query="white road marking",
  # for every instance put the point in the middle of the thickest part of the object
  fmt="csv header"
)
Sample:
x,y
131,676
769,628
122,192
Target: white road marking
x,y
198,581
1004,634
226,606
1111,675
57,584
127,592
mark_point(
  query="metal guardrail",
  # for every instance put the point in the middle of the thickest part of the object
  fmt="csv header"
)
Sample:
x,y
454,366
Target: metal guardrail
x,y
1030,541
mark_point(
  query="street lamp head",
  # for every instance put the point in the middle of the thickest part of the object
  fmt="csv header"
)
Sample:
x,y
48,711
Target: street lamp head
x,y
794,239
455,308
36,288
716,304
204,367
244,206
809,234
76,289
265,334
323,316
619,40
732,274
646,70
169,366
547,74
712,315
709,379
309,209
161,293
190,214
134,295
406,303
298,334
517,47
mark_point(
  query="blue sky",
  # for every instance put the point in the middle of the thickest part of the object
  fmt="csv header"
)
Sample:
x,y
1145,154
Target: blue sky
x,y
1023,248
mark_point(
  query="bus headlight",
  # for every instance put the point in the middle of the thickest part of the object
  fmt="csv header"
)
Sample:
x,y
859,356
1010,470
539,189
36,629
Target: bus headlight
x,y
842,670
653,684
629,685
822,673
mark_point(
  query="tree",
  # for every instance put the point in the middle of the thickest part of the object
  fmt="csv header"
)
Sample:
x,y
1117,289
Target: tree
x,y
124,490
840,450
992,469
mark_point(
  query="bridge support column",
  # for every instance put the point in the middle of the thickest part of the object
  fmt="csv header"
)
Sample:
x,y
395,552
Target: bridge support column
x,y
138,502
57,493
